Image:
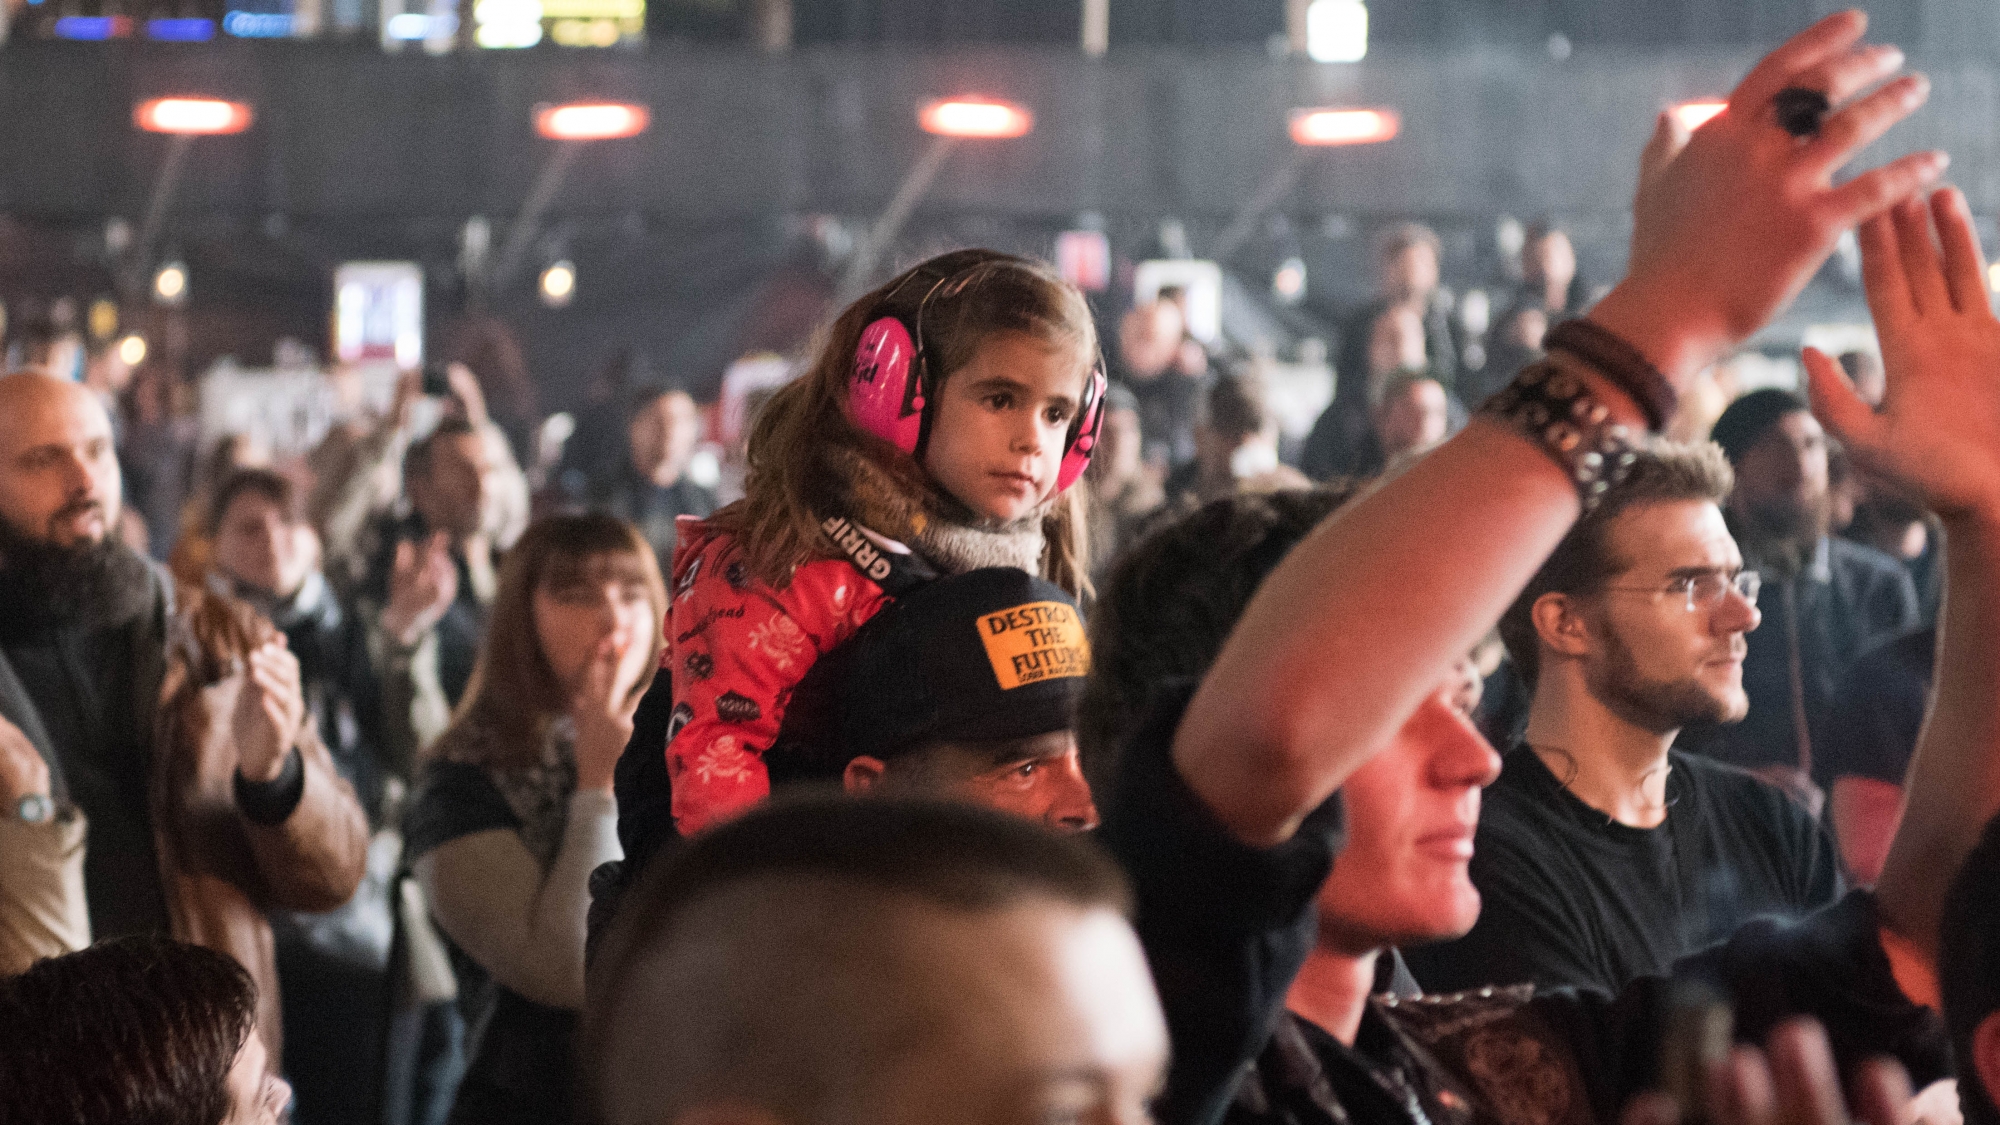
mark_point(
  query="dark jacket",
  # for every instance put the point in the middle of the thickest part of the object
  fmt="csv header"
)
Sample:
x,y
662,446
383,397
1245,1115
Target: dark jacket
x,y
227,852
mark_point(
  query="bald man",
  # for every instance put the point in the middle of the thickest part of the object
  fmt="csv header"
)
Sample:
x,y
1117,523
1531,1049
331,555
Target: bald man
x,y
245,811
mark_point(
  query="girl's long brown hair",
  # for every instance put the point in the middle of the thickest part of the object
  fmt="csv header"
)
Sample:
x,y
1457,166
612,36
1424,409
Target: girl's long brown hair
x,y
513,691
989,292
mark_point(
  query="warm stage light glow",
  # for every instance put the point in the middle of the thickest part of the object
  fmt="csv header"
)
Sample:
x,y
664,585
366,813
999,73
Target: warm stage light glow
x,y
1345,126
170,284
192,116
975,117
132,349
595,122
558,284
1693,114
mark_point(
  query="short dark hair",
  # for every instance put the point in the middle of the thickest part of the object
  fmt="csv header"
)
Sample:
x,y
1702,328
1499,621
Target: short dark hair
x,y
131,1031
1173,599
417,459
834,871
1969,965
266,483
1664,473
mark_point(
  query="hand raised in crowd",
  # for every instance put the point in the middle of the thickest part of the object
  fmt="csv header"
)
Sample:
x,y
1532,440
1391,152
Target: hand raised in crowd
x,y
465,388
423,582
1793,1081
270,709
602,709
23,773
1729,223
1938,430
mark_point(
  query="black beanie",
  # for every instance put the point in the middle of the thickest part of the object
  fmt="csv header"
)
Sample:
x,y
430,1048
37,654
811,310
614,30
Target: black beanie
x,y
1749,418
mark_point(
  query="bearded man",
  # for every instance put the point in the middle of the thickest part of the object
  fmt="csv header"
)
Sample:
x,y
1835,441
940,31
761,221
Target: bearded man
x,y
1603,854
1826,599
178,736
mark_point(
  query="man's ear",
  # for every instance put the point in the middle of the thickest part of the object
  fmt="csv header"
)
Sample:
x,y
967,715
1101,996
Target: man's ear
x,y
1559,624
863,775
1986,1054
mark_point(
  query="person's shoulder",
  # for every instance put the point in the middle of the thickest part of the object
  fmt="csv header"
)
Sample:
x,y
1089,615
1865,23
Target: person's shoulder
x,y
1719,785
1863,561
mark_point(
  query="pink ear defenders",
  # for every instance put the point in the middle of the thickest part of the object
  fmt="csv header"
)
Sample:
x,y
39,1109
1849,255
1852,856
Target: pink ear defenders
x,y
889,393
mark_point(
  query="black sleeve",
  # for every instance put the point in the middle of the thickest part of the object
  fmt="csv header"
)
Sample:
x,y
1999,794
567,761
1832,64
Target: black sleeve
x,y
270,802
1829,966
1528,929
1877,714
455,800
645,791
1225,926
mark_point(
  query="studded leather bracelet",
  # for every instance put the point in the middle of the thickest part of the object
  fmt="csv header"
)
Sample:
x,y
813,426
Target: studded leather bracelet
x,y
1554,409
1619,362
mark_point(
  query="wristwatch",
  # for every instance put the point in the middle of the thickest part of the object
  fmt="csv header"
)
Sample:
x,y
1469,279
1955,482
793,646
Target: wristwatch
x,y
35,808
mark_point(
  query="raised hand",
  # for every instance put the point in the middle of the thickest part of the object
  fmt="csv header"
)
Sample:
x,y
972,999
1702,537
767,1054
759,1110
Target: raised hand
x,y
1938,430
602,709
465,387
270,709
423,583
1792,1082
1729,223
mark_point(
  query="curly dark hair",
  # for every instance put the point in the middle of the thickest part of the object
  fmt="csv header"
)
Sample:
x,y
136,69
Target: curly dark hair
x,y
1173,599
132,1031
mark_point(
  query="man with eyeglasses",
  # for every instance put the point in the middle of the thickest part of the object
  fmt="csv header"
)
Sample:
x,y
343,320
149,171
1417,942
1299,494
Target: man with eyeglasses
x,y
1603,854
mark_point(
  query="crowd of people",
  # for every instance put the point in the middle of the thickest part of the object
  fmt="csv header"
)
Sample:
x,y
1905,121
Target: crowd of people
x,y
1032,734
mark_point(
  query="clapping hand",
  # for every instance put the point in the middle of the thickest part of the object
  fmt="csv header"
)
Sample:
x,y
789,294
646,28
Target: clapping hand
x,y
270,709
423,583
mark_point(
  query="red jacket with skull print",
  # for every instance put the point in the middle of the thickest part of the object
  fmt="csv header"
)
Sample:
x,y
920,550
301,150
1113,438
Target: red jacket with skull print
x,y
736,648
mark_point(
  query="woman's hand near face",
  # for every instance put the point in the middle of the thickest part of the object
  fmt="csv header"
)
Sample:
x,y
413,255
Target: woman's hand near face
x,y
602,709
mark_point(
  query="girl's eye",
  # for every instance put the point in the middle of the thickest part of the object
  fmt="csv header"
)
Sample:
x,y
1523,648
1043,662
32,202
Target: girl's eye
x,y
1000,402
1058,415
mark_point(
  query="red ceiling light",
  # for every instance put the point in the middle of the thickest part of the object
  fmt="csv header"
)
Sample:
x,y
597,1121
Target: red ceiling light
x,y
595,121
192,116
1693,114
983,118
1345,126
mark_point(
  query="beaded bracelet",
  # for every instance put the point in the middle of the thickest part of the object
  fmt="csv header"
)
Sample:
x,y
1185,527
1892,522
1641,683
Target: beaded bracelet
x,y
1555,410
1620,363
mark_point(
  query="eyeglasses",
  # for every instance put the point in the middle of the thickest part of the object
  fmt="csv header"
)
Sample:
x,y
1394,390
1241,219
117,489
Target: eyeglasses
x,y
1705,590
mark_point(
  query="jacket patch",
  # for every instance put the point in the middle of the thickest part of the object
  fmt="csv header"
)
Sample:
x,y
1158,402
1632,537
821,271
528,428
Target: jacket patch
x,y
735,708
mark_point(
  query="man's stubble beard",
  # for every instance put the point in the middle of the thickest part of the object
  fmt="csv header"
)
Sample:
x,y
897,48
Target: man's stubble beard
x,y
1660,706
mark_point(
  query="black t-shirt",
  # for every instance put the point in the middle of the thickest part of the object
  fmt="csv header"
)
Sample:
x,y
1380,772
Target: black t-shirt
x,y
1880,709
1225,926
520,1049
1573,898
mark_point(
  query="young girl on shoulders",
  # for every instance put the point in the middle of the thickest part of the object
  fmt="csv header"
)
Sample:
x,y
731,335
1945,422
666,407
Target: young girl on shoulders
x,y
938,430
